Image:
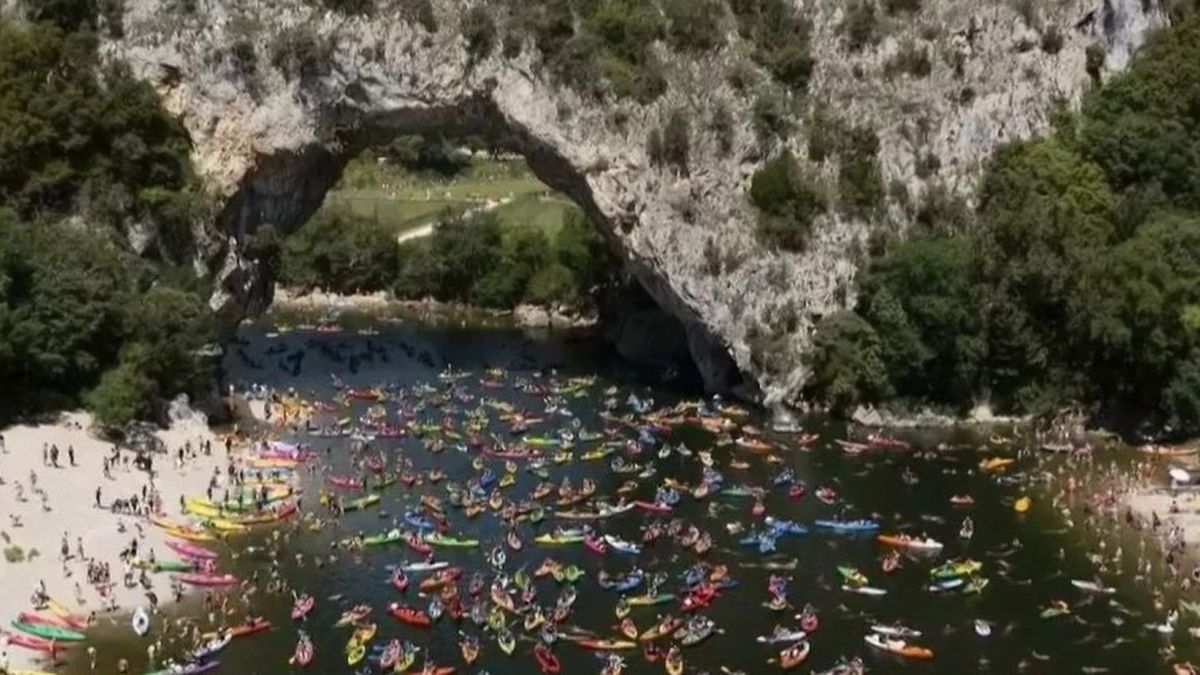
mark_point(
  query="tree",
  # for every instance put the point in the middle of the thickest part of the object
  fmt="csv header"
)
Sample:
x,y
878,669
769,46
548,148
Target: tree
x,y
479,29
787,200
122,396
848,368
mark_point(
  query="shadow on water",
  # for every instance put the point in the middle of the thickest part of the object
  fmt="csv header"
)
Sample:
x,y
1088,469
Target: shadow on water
x,y
1029,559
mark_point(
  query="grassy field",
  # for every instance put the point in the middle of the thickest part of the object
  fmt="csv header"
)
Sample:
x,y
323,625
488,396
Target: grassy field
x,y
404,201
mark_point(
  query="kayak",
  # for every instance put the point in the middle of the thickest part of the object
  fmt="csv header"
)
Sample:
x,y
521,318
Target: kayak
x,y
899,647
848,525
442,540
956,568
863,590
301,608
793,656
389,537
212,647
190,669
1093,587
1022,505
362,502
905,541
49,632
409,615
173,566
206,579
604,645
257,625
34,643
558,539
547,661
646,600
191,550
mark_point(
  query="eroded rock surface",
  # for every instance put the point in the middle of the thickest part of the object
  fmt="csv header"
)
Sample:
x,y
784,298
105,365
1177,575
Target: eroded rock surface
x,y
271,140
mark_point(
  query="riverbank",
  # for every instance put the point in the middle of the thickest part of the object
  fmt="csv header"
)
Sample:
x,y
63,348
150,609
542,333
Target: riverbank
x,y
320,304
50,508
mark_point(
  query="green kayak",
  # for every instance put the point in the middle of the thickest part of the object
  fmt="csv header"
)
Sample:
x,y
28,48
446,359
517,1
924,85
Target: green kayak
x,y
362,502
381,539
173,566
49,632
441,540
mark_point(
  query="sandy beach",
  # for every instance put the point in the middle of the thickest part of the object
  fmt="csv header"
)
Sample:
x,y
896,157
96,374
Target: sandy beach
x,y
36,519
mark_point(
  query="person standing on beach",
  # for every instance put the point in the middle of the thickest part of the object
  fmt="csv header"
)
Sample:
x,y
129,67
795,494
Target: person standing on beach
x,y
98,493
71,454
45,454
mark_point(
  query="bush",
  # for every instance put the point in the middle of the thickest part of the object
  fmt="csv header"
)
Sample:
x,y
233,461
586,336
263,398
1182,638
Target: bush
x,y
1094,57
14,554
847,363
912,59
860,25
419,12
860,183
899,6
551,285
1052,40
676,140
655,148
479,30
781,40
350,6
721,125
122,396
694,25
772,117
788,201
340,252
300,54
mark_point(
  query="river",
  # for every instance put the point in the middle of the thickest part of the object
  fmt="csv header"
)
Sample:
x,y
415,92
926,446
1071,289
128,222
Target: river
x,y
1029,559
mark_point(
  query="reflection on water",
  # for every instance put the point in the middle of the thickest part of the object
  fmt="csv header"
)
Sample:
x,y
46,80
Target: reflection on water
x,y
1029,559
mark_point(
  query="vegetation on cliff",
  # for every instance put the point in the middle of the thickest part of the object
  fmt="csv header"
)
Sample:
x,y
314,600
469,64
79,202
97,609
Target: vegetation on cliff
x,y
87,157
1080,279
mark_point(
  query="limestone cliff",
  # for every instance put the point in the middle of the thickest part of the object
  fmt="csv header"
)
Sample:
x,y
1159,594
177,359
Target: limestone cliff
x,y
270,138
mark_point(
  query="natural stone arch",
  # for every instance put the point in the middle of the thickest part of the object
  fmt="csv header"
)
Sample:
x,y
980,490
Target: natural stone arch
x,y
269,142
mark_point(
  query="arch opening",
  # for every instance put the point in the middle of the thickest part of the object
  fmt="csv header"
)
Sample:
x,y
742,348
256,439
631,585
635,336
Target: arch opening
x,y
638,312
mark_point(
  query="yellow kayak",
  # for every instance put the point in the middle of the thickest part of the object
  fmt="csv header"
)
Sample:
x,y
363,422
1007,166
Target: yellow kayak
x,y
226,525
189,535
995,464
355,654
1022,505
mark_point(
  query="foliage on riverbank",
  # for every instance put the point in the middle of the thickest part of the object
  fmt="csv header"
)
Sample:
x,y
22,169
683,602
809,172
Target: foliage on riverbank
x,y
471,259
1080,279
87,155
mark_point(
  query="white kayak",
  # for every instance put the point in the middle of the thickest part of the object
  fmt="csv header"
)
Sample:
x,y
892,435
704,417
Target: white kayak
x,y
863,590
895,630
982,628
1092,587
782,636
424,566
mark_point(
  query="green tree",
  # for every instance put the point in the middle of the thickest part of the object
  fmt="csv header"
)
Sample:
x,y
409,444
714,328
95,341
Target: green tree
x,y
847,363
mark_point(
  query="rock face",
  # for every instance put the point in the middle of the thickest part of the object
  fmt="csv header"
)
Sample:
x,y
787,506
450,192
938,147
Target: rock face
x,y
271,138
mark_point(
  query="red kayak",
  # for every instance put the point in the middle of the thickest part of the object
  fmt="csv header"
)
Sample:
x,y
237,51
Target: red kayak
x,y
417,544
256,626
400,580
546,659
595,545
653,507
304,605
409,615
39,620
304,652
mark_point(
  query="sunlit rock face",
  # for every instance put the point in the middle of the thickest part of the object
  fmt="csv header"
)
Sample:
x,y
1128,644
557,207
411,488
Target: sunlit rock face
x,y
272,130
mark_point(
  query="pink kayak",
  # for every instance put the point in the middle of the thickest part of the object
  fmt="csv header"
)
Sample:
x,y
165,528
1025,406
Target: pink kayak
x,y
206,579
192,551
34,643
345,482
